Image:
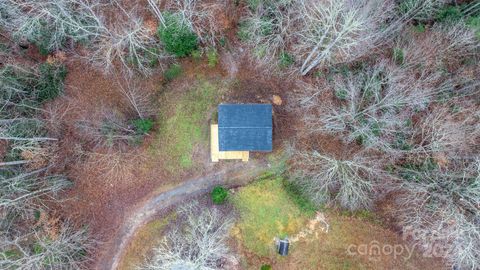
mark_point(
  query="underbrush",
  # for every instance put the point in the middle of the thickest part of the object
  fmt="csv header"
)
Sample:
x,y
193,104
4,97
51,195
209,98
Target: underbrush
x,y
23,88
172,72
51,25
51,81
365,215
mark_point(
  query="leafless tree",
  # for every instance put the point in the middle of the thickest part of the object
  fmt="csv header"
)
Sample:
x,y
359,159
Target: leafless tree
x,y
320,32
326,179
444,45
23,190
339,31
23,131
372,105
471,8
424,10
201,17
130,42
108,128
140,101
154,6
198,243
441,209
442,130
20,125
20,128
66,249
267,28
52,23
326,32
114,166
55,114
16,85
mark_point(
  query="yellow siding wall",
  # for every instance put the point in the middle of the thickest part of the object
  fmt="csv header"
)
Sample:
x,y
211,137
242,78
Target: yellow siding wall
x,y
217,154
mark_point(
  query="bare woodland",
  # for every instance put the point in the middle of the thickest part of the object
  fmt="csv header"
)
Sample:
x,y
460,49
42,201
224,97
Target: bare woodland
x,y
198,243
393,79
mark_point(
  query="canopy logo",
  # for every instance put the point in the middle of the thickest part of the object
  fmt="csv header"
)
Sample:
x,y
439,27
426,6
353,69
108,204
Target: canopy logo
x,y
375,249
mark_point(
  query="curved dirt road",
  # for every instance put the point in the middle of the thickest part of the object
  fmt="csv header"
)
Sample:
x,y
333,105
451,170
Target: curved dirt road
x,y
115,249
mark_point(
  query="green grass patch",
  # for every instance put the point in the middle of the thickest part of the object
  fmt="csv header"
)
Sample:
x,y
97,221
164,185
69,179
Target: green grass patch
x,y
197,55
329,251
278,168
212,57
398,56
302,202
11,254
266,211
419,28
269,208
266,267
172,72
184,124
278,162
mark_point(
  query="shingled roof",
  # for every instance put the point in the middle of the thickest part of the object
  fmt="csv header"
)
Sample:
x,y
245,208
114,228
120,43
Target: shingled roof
x,y
245,127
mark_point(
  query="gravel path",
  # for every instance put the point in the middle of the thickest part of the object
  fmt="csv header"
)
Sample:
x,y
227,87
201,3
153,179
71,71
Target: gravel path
x,y
239,174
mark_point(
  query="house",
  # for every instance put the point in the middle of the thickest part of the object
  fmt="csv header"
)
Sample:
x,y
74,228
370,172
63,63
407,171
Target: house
x,y
241,128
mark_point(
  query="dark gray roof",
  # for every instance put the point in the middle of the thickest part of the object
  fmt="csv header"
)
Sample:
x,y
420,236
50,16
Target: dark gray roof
x,y
245,127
